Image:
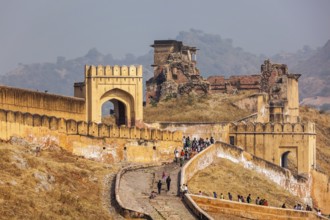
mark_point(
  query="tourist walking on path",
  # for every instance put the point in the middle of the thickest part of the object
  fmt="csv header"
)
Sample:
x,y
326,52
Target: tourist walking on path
x,y
168,182
176,155
159,186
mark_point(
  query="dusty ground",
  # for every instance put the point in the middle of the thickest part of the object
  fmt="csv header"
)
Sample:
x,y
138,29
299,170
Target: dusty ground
x,y
210,108
54,185
224,176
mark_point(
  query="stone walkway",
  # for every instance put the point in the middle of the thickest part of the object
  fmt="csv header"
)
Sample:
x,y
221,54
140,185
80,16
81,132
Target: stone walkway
x,y
136,187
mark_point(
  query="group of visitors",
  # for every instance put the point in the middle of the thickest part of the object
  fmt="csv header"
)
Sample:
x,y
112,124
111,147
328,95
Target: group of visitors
x,y
241,198
197,145
183,190
258,201
191,148
300,207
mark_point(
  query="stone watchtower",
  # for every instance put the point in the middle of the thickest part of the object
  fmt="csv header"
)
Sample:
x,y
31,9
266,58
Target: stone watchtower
x,y
175,71
120,85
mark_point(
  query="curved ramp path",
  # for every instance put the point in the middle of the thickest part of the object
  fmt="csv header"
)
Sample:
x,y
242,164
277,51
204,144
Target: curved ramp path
x,y
137,185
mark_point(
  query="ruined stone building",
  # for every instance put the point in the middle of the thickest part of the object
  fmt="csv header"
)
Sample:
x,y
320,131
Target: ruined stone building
x,y
175,74
175,71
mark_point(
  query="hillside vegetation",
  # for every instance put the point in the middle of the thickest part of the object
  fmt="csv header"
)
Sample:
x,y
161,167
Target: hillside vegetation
x,y
322,122
224,176
193,108
54,185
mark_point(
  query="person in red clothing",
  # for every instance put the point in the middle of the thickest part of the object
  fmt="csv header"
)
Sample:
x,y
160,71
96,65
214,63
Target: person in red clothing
x,y
265,203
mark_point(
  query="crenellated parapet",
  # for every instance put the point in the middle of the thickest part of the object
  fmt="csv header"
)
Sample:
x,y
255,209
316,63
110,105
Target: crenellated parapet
x,y
122,85
272,128
113,71
12,122
274,141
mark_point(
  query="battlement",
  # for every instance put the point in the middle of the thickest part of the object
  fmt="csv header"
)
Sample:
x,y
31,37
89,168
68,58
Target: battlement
x,y
15,123
272,128
113,71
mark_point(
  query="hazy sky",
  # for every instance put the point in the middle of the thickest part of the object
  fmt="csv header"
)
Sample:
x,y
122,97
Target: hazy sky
x,y
41,30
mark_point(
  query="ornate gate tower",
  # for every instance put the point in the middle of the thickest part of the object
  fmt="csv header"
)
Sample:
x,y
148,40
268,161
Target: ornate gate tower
x,y
120,85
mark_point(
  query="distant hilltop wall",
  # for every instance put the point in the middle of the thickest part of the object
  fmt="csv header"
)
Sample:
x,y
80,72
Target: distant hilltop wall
x,y
23,100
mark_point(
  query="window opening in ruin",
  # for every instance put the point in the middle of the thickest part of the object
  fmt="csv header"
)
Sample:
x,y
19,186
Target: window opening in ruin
x,y
114,113
232,140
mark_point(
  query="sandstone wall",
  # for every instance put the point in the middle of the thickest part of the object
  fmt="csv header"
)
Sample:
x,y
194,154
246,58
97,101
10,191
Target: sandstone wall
x,y
321,191
91,140
270,141
221,84
219,131
214,207
15,99
299,187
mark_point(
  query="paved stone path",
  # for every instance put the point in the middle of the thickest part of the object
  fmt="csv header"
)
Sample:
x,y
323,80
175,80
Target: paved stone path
x,y
136,187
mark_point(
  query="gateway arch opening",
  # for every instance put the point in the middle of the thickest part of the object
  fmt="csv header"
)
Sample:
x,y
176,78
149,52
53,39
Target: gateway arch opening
x,y
114,112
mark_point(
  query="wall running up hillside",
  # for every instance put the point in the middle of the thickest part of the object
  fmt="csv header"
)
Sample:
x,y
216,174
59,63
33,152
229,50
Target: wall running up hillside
x,y
282,177
15,99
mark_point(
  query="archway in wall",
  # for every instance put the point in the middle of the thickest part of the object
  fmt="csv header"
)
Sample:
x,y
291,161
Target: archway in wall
x,y
118,106
114,113
290,162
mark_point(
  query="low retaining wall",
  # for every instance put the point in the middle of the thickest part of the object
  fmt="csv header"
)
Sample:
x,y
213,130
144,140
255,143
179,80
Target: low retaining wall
x,y
217,206
124,210
195,208
297,186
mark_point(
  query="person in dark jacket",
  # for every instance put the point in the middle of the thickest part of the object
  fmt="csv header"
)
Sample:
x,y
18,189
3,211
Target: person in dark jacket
x,y
159,186
168,182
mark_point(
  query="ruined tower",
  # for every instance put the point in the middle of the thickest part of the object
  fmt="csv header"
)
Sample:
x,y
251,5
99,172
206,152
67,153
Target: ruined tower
x,y
175,71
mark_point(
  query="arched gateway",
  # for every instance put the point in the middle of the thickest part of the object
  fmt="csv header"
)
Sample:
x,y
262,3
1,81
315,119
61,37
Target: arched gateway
x,y
120,85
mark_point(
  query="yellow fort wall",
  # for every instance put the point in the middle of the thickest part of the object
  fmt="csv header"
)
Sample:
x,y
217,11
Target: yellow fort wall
x,y
314,188
216,207
23,100
270,140
91,140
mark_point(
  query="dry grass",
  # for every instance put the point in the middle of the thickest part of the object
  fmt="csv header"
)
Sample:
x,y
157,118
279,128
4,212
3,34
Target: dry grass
x,y
55,185
322,121
224,176
109,120
193,108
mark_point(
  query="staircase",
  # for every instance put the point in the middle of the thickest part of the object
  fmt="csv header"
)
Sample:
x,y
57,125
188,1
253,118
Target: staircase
x,y
137,185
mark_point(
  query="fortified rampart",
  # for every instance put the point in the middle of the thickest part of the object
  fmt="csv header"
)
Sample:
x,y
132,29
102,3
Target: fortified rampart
x,y
23,100
282,177
274,141
91,140
216,207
